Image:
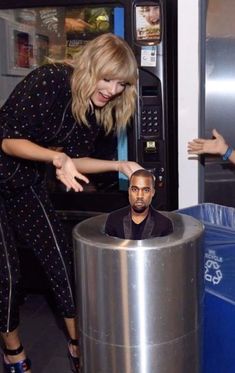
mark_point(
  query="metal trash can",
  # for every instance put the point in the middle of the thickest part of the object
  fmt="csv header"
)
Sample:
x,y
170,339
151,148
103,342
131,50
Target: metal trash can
x,y
139,301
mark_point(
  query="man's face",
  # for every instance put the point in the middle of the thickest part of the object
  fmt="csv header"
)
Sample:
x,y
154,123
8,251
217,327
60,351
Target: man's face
x,y
141,192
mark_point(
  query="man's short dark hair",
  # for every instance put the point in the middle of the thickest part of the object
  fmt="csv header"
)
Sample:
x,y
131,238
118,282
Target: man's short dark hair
x,y
144,173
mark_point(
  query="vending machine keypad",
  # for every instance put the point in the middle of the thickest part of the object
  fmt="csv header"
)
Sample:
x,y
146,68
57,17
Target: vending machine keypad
x,y
150,119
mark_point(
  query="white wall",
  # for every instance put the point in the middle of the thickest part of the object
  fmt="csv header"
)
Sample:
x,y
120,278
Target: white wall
x,y
188,96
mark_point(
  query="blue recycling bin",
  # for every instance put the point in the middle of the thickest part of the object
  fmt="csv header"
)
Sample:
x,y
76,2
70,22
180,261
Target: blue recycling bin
x,y
219,305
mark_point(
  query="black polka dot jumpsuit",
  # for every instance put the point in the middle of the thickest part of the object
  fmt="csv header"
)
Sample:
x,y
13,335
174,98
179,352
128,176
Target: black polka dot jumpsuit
x,y
39,109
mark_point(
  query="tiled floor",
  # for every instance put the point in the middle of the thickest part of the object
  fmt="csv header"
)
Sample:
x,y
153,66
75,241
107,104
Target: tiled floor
x,y
43,336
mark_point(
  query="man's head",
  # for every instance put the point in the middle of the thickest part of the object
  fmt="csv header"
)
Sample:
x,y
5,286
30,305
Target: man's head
x,y
141,190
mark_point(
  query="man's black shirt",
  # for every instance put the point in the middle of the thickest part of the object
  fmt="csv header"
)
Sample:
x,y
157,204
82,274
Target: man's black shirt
x,y
119,224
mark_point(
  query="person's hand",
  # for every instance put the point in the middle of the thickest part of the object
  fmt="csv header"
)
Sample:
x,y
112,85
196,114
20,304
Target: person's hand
x,y
67,173
217,145
128,167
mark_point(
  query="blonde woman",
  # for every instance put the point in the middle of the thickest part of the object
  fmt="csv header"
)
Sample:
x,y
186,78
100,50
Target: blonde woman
x,y
57,105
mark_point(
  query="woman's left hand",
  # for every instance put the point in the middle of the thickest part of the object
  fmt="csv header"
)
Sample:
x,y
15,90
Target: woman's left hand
x,y
128,167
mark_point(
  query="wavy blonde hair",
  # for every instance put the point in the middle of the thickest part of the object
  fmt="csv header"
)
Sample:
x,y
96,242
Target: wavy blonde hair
x,y
107,56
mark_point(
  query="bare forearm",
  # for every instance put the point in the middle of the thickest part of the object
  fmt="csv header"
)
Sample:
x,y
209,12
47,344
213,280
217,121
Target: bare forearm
x,y
92,166
223,151
28,150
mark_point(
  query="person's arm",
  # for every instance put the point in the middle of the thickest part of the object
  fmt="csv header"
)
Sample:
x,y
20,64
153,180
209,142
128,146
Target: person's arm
x,y
93,165
28,150
217,145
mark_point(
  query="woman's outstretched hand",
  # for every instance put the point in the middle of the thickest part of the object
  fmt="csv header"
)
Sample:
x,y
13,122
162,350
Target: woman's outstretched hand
x,y
217,145
128,167
67,173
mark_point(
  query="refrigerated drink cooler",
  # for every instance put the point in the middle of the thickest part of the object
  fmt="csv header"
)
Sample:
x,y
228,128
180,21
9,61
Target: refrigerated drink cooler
x,y
139,301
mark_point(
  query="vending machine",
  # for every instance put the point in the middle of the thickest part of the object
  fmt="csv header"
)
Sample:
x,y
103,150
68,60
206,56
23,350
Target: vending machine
x,y
57,29
155,127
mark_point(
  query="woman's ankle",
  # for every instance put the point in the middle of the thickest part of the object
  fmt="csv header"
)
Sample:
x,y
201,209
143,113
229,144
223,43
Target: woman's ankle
x,y
14,355
73,346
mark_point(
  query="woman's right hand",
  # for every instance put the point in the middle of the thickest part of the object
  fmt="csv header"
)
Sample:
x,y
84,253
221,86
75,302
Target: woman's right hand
x,y
128,167
217,145
67,173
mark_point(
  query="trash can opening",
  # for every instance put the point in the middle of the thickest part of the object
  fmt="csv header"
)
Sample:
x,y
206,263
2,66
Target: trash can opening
x,y
184,228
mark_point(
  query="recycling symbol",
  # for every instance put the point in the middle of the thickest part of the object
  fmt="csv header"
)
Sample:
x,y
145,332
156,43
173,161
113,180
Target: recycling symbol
x,y
213,272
